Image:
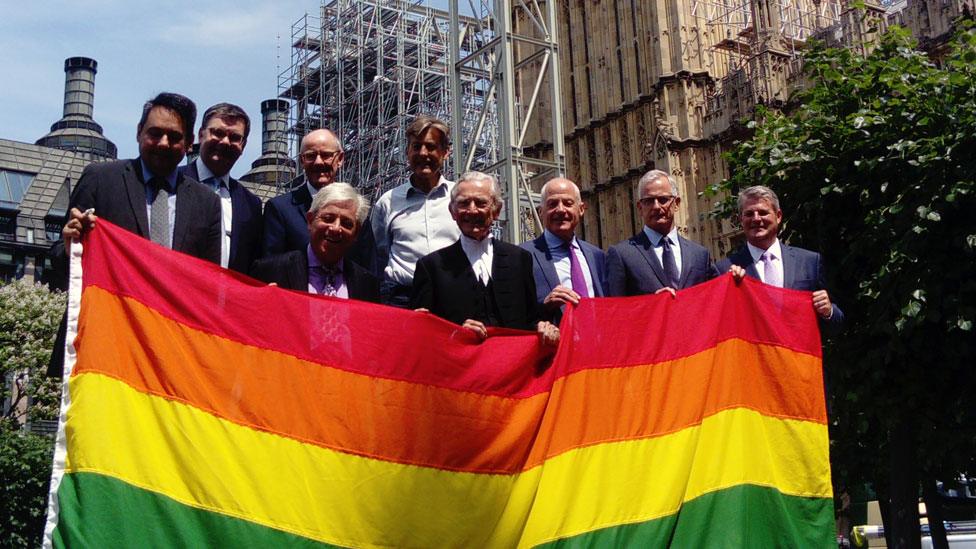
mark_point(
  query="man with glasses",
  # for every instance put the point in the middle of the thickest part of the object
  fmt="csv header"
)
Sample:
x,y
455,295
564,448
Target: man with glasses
x,y
656,259
285,226
223,135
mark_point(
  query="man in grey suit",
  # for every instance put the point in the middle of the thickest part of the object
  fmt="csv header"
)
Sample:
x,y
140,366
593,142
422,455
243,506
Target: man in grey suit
x,y
147,195
656,259
566,268
766,258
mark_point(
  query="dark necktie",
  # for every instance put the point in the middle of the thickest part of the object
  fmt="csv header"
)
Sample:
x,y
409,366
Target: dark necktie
x,y
329,279
670,265
159,214
576,272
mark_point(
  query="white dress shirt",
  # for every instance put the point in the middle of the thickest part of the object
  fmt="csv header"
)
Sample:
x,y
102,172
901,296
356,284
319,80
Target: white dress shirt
x,y
656,237
221,185
480,256
560,260
409,224
775,252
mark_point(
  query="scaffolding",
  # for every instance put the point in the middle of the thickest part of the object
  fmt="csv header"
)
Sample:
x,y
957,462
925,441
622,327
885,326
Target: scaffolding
x,y
364,69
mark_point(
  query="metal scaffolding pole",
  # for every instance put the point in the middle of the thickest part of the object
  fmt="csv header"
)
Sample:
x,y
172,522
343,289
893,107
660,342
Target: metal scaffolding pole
x,y
510,56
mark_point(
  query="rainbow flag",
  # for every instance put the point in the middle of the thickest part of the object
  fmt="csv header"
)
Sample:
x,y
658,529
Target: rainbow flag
x,y
203,408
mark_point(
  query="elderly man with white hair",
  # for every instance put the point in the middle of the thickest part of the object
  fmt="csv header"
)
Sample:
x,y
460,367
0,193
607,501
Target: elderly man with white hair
x,y
656,259
479,281
334,220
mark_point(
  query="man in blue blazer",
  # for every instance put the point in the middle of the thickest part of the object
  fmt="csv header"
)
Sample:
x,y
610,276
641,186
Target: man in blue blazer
x,y
285,226
223,136
656,259
766,258
561,278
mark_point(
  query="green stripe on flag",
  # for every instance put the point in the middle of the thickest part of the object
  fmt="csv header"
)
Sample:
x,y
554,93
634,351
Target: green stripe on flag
x,y
741,516
98,511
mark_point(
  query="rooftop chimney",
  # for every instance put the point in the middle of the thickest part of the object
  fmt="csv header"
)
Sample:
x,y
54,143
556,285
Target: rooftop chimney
x,y
77,131
274,166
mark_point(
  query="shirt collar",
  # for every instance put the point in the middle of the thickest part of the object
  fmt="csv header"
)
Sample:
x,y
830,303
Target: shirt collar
x,y
775,249
476,247
313,260
311,190
655,237
147,175
554,241
441,186
204,172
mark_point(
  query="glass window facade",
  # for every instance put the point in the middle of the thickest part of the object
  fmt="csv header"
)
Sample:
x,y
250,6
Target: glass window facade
x,y
13,185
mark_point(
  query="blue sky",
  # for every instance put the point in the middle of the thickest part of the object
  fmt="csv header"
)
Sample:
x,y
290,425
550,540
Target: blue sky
x,y
209,51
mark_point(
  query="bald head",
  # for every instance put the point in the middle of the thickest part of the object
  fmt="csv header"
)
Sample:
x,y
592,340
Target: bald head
x,y
321,156
562,207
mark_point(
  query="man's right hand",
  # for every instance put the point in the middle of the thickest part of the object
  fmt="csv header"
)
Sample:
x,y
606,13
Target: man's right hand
x,y
738,273
559,296
78,224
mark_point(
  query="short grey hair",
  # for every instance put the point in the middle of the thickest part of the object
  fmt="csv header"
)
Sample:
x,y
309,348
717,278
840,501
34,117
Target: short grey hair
x,y
340,192
496,190
544,193
758,192
654,175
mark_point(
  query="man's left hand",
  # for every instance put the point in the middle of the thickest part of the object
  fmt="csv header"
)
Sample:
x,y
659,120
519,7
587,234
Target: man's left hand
x,y
549,333
821,304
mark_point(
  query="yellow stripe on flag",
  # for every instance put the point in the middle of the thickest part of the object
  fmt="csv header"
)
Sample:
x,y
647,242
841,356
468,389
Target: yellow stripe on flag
x,y
200,460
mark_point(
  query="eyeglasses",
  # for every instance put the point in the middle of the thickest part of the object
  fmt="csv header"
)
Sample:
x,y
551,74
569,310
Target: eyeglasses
x,y
219,134
327,156
660,200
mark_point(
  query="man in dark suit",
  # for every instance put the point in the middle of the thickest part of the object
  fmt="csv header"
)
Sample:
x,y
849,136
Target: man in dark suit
x,y
479,281
656,259
333,223
223,136
766,258
566,268
147,195
285,227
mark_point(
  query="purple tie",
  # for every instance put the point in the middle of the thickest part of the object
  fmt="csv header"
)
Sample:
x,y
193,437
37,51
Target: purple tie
x,y
771,276
576,272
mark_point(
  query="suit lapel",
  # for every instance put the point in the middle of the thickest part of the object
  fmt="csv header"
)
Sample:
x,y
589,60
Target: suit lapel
x,y
548,269
238,207
350,278
300,270
135,189
591,262
643,245
184,212
686,261
789,265
743,258
302,200
501,274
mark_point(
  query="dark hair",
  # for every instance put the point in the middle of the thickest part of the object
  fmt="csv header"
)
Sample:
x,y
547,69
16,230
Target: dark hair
x,y
227,110
423,123
181,105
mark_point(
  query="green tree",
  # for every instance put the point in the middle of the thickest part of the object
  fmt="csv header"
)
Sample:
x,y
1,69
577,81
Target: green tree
x,y
875,166
29,317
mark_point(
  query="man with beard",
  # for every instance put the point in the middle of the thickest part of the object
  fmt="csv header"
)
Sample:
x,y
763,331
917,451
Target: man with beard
x,y
223,136
566,268
285,227
478,281
412,220
334,220
765,258
147,195
656,259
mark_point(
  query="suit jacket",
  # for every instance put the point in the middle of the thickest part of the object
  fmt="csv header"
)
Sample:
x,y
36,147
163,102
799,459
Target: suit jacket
x,y
290,270
445,283
545,274
285,227
246,223
633,269
118,193
802,270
